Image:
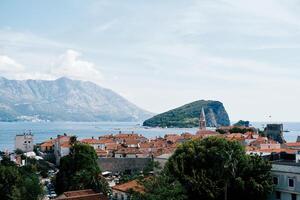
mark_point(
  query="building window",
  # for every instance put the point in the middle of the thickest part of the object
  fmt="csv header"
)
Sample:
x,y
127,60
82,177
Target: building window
x,y
275,180
278,195
291,182
293,196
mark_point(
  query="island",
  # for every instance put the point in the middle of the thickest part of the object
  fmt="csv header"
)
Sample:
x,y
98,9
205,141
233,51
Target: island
x,y
187,116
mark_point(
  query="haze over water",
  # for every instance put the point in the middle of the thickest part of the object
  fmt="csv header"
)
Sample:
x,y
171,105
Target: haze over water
x,y
43,131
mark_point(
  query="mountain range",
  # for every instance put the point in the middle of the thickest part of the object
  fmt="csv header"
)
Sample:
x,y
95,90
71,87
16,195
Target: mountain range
x,y
64,100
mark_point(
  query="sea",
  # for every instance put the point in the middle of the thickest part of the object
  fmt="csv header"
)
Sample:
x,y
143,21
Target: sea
x,y
45,130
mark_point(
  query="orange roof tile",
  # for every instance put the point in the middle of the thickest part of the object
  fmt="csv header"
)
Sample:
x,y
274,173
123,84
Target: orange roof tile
x,y
293,144
112,146
65,144
82,195
47,144
131,141
128,150
106,141
91,141
131,185
101,152
206,132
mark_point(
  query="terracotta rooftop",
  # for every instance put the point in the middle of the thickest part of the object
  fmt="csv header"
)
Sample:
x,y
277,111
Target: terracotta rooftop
x,y
131,141
128,150
145,145
47,144
112,146
91,141
125,135
106,141
131,185
293,144
101,153
206,132
82,195
173,137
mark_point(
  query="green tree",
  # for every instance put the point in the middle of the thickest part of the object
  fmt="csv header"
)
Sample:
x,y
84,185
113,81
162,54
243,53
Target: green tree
x,y
19,152
161,188
215,168
40,166
18,183
79,170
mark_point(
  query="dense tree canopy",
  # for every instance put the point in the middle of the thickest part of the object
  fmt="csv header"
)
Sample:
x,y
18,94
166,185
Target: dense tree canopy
x,y
210,169
79,170
18,183
161,188
215,168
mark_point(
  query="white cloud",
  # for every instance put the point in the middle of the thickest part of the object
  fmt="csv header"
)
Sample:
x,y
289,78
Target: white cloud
x,y
68,64
8,65
71,65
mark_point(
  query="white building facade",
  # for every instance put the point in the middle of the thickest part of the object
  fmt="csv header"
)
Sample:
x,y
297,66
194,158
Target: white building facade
x,y
286,178
24,142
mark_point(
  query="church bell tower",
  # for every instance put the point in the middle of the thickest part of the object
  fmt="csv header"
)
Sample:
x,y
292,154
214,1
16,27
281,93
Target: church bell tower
x,y
202,121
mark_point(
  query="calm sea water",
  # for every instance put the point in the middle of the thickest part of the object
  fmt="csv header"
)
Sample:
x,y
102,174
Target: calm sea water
x,y
44,130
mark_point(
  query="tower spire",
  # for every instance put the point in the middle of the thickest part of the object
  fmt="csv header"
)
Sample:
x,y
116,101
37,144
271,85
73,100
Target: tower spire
x,y
202,121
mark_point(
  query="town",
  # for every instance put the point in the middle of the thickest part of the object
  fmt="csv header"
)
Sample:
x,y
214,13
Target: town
x,y
124,156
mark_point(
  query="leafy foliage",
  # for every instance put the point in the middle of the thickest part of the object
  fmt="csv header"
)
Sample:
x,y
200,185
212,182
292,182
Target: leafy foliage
x,y
18,183
79,170
161,188
236,129
147,171
40,166
210,168
242,123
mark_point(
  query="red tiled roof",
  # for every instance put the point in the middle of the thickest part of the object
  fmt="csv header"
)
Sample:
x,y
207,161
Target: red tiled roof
x,y
101,152
173,137
65,144
128,150
82,195
124,135
47,144
112,146
106,141
293,144
91,141
131,185
206,132
145,145
131,141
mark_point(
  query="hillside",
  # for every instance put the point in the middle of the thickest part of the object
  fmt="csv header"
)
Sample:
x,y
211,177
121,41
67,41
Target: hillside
x,y
64,100
188,115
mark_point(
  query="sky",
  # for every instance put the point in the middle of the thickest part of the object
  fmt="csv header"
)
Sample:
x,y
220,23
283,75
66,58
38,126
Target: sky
x,y
161,54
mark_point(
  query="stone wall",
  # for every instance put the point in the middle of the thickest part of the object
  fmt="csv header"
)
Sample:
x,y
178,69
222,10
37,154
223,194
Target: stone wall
x,y
275,132
123,164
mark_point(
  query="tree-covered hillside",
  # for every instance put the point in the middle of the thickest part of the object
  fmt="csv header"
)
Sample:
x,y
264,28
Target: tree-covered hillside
x,y
188,115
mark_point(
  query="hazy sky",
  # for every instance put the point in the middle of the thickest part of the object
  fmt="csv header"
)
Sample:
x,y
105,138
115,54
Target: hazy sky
x,y
160,54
